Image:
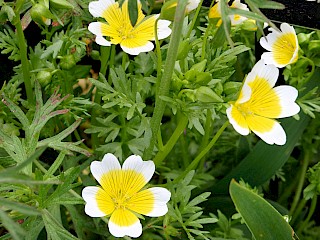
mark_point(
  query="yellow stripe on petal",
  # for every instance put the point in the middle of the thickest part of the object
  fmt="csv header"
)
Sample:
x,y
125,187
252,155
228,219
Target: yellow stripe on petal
x,y
104,202
132,181
215,11
284,49
113,15
260,124
123,218
142,202
264,100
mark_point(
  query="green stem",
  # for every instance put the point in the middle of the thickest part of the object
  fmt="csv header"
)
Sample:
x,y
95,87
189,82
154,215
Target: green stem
x,y
195,162
161,155
194,19
24,59
311,211
104,59
304,167
159,57
206,136
166,77
298,210
204,42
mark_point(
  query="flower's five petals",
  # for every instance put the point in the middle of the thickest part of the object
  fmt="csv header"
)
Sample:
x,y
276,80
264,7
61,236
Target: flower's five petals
x,y
283,46
121,195
259,103
124,223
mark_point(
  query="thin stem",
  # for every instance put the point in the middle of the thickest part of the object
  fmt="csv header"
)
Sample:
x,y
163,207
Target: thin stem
x,y
206,136
304,167
166,77
204,42
24,59
104,59
159,57
161,155
195,162
194,19
311,212
298,210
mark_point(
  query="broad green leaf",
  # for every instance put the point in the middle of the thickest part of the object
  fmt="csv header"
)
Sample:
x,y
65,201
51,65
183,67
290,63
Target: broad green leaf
x,y
260,165
133,11
264,222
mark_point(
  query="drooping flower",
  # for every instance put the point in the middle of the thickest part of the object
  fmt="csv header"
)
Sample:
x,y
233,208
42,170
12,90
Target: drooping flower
x,y
121,194
215,12
259,103
283,46
119,30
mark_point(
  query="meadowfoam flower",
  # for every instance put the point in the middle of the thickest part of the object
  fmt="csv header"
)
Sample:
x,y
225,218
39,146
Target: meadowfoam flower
x,y
283,46
121,194
119,30
215,12
259,103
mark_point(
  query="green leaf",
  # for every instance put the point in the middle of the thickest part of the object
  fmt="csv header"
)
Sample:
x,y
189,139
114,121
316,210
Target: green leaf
x,y
33,226
54,229
23,208
14,229
264,222
133,11
52,49
259,166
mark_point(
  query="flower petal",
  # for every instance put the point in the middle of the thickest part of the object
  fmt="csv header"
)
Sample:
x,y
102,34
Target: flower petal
x,y
124,223
191,5
215,12
267,129
147,47
163,29
102,41
260,70
151,202
237,120
287,95
97,28
96,8
245,94
98,202
108,163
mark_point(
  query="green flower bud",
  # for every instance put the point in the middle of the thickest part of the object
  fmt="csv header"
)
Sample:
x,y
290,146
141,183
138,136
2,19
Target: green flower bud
x,y
199,67
95,55
44,77
249,25
218,88
61,4
203,78
183,49
304,38
231,87
205,94
190,75
168,10
314,46
67,62
41,15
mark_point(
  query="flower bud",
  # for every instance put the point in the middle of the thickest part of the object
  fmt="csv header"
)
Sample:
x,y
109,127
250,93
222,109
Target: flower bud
x,y
67,62
41,15
203,78
44,77
304,38
314,46
168,10
183,49
200,66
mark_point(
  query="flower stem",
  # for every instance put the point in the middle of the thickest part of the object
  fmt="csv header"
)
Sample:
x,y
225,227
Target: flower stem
x,y
166,77
194,19
104,59
311,211
161,155
24,58
304,167
205,139
204,42
195,162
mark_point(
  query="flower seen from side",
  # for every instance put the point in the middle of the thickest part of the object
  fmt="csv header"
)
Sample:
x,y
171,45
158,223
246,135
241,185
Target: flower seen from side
x,y
236,19
121,194
191,5
282,46
119,30
260,103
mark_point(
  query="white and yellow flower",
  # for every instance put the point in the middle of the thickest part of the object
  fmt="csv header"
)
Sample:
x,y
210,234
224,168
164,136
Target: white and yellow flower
x,y
259,103
121,194
215,12
119,30
191,5
283,46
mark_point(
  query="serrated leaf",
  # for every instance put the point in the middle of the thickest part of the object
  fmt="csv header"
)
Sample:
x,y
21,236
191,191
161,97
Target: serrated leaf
x,y
52,49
